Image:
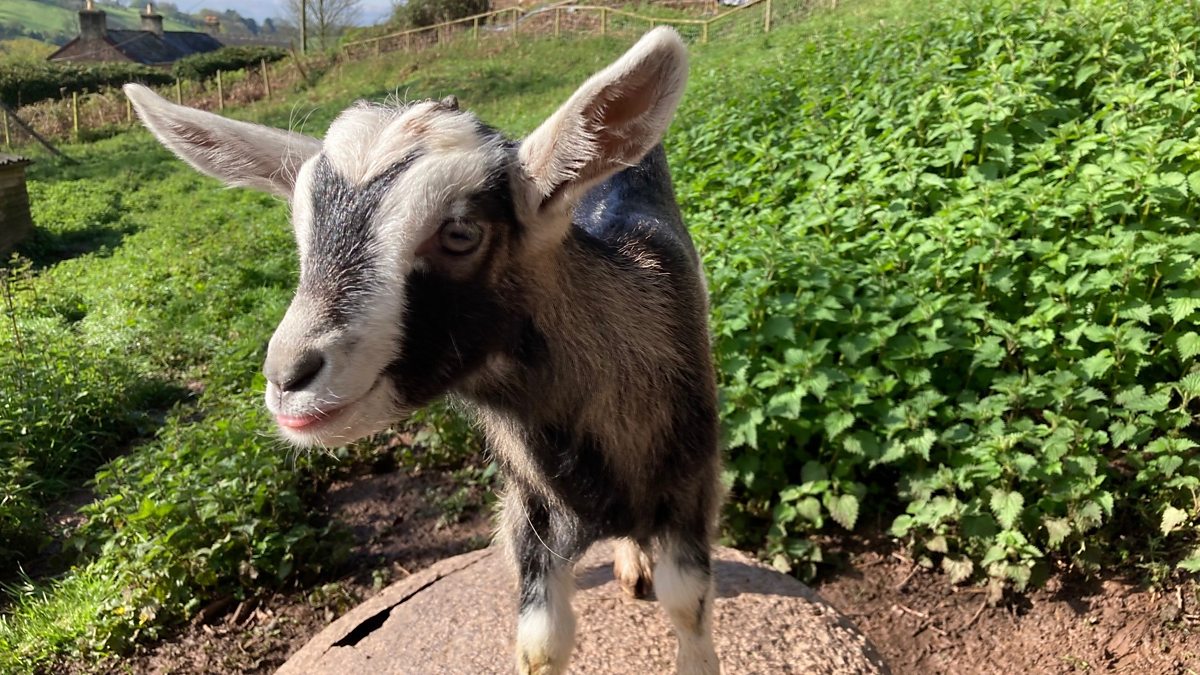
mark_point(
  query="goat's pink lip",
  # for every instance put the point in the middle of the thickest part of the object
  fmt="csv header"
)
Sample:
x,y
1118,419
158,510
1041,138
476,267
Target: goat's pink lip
x,y
305,421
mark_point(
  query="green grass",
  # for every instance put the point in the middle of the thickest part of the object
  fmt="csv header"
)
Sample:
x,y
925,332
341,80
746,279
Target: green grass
x,y
954,292
61,615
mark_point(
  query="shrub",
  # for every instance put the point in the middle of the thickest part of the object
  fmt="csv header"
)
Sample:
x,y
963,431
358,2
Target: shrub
x,y
25,83
204,66
418,13
953,269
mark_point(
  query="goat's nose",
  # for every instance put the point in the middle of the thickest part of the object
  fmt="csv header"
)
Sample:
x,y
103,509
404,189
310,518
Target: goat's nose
x,y
294,374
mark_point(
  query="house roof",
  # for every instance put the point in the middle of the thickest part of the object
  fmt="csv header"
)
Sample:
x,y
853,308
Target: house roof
x,y
6,159
147,48
152,49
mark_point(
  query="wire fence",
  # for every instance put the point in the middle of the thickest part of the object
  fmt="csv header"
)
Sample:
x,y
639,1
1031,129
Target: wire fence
x,y
94,115
695,20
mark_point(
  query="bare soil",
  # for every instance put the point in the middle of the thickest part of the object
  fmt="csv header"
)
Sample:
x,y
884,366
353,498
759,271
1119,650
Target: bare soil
x,y
401,523
922,624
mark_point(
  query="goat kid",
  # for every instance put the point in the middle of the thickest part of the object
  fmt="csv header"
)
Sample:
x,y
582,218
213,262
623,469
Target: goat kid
x,y
549,284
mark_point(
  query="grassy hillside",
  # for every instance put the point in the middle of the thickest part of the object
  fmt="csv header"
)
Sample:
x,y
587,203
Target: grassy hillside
x,y
952,256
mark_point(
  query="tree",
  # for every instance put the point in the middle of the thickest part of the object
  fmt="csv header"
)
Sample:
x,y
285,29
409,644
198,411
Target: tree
x,y
417,13
326,18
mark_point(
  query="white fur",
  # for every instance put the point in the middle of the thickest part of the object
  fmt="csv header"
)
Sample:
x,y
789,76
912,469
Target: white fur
x,y
425,195
680,591
239,153
546,635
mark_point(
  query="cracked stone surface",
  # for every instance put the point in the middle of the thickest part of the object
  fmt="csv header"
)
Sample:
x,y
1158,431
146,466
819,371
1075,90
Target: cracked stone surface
x,y
458,616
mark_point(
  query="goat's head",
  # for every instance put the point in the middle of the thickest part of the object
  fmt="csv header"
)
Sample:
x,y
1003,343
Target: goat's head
x,y
406,219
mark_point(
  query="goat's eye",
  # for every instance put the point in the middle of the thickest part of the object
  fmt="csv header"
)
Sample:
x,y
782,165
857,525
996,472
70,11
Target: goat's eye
x,y
460,236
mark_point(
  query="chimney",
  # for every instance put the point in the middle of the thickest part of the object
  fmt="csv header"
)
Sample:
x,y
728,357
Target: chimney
x,y
151,20
92,23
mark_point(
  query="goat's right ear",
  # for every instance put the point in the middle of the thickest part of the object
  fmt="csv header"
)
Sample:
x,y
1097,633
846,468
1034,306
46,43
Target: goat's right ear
x,y
608,124
239,153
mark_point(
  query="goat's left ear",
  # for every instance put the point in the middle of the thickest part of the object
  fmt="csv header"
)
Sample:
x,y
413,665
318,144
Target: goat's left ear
x,y
238,153
608,124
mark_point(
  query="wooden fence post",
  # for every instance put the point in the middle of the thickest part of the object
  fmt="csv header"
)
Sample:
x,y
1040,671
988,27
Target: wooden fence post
x,y
475,30
7,134
767,18
220,92
128,111
515,11
266,79
557,20
603,21
704,32
75,112
178,92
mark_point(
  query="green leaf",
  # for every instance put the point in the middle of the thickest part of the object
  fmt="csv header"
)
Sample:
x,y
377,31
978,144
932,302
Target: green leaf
x,y
1097,365
786,404
1187,345
1189,385
779,327
1172,518
838,421
1182,307
958,569
1057,530
810,509
1007,507
1089,516
1191,563
901,525
843,510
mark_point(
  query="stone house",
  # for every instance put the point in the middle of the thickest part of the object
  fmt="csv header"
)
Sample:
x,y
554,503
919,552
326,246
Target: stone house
x,y
151,46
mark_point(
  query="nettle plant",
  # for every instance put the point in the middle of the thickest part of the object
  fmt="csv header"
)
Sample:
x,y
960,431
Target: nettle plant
x,y
954,271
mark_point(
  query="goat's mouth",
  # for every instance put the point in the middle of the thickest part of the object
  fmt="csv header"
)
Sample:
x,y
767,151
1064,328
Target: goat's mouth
x,y
311,421
342,423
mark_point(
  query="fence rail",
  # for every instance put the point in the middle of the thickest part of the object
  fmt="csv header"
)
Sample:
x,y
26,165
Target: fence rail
x,y
510,20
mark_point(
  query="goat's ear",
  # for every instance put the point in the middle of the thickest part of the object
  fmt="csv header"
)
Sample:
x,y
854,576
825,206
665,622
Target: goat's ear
x,y
609,123
239,153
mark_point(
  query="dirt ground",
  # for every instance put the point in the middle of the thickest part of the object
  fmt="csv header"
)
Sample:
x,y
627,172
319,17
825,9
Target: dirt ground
x,y
401,523
918,621
923,624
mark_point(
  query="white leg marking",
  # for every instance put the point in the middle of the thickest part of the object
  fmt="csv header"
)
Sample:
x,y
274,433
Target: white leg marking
x,y
687,595
546,634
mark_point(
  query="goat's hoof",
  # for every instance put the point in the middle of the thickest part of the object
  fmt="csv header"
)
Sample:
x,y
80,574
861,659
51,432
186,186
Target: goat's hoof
x,y
540,664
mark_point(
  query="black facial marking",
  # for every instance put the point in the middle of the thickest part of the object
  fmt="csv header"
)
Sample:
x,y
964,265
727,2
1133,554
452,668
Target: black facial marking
x,y
339,267
454,319
450,327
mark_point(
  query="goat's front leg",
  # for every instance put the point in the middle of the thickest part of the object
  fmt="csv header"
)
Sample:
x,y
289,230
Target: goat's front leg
x,y
543,547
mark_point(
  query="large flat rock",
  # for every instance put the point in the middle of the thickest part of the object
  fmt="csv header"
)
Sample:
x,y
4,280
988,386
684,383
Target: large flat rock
x,y
458,616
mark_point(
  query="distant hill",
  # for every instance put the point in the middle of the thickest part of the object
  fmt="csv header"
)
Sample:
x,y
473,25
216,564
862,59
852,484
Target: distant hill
x,y
57,21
